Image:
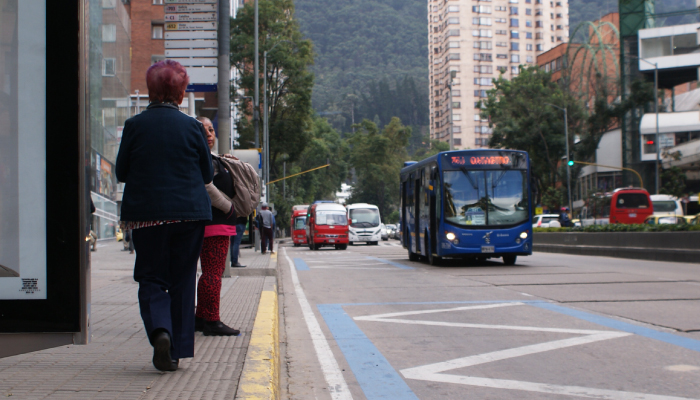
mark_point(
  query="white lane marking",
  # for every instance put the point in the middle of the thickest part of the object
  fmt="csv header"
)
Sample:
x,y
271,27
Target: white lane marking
x,y
343,267
329,365
401,314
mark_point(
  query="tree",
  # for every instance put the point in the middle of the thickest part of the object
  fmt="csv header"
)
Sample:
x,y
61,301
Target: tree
x,y
673,182
522,120
377,158
289,80
436,146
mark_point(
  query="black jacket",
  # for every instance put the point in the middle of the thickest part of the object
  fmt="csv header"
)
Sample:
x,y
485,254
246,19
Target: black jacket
x,y
224,182
165,162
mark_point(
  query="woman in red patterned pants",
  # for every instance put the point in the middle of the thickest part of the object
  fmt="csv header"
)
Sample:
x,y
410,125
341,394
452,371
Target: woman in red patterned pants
x,y
215,247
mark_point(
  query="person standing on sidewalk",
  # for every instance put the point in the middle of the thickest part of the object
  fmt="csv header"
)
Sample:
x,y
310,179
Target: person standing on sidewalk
x,y
266,222
165,162
235,250
216,244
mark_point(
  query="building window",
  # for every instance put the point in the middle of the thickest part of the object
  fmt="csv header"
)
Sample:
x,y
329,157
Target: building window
x,y
504,56
109,33
501,8
538,36
480,93
157,58
482,45
501,32
456,129
456,104
501,44
514,11
481,9
514,23
482,57
514,35
501,20
481,21
456,117
453,32
451,9
528,23
559,39
457,141
156,31
528,35
528,47
481,33
538,24
528,11
109,66
452,45
502,69
515,58
483,69
456,93
529,59
453,56
515,46
514,70
453,21
477,142
158,2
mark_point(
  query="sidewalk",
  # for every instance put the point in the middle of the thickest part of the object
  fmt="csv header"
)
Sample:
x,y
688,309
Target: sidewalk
x,y
117,363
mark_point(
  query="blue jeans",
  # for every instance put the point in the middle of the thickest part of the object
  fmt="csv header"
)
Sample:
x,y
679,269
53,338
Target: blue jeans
x,y
236,243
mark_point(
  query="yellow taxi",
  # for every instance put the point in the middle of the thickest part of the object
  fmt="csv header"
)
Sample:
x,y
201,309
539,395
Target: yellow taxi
x,y
664,220
692,219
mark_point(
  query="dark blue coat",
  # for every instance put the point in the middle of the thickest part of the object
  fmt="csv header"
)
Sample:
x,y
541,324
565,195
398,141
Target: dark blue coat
x,y
165,162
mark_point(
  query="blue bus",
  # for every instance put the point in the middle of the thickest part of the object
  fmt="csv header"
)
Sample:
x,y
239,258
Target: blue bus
x,y
472,204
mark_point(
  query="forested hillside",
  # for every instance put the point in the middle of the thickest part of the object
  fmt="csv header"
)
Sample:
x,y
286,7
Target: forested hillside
x,y
368,47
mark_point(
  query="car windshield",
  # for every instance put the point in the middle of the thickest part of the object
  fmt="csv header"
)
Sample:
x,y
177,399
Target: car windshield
x,y
364,218
331,218
299,223
664,205
486,198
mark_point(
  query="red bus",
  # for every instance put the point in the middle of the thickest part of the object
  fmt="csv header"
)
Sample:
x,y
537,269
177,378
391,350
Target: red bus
x,y
622,206
298,225
327,225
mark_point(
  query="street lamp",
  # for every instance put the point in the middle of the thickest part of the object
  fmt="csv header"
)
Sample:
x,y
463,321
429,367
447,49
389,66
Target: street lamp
x,y
568,156
266,127
656,111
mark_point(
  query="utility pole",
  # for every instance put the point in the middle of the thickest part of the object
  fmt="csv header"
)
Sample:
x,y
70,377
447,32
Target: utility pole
x,y
224,72
568,156
256,74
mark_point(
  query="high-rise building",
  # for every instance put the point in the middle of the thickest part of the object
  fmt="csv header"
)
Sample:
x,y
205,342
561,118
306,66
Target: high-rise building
x,y
473,42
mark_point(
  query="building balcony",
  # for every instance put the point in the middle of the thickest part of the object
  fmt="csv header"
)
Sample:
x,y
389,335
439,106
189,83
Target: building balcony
x,y
674,49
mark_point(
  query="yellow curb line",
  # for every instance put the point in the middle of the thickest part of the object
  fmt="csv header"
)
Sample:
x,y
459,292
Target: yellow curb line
x,y
260,376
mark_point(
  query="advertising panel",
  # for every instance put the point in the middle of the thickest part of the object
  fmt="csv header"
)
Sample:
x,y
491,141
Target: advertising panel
x,y
23,254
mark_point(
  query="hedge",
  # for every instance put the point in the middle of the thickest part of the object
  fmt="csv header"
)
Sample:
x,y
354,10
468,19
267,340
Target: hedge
x,y
624,228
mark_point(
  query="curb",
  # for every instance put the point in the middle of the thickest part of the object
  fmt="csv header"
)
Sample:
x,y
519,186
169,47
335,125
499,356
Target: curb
x,y
260,376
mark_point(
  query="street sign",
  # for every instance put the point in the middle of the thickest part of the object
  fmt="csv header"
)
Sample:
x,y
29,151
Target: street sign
x,y
176,35
205,75
201,88
191,53
196,62
189,17
191,44
183,8
538,210
190,26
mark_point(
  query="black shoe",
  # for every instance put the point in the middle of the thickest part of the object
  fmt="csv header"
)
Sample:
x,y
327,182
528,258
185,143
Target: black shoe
x,y
198,324
237,265
161,353
218,328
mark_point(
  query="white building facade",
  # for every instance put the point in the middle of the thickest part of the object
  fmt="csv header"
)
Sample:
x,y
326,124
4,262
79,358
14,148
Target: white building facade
x,y
472,42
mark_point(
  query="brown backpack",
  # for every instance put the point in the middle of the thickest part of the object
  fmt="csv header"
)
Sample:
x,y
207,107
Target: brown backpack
x,y
247,185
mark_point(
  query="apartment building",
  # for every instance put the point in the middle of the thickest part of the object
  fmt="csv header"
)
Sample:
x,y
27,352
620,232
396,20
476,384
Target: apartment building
x,y
471,43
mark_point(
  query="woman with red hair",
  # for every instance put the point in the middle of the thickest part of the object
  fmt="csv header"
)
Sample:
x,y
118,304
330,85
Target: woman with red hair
x,y
165,162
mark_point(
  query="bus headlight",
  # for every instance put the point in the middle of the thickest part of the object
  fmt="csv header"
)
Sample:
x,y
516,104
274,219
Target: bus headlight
x,y
450,236
523,235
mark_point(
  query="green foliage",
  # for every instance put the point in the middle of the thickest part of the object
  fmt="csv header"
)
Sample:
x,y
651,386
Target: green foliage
x,y
554,198
289,80
673,182
436,146
392,218
623,228
522,120
377,158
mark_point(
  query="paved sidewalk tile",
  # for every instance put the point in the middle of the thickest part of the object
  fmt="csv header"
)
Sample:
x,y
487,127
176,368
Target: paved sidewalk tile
x,y
117,363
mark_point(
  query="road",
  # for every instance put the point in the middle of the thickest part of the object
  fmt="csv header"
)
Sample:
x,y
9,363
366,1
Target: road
x,y
366,323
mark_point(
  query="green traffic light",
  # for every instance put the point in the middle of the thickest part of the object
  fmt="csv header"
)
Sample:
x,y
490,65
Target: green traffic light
x,y
571,163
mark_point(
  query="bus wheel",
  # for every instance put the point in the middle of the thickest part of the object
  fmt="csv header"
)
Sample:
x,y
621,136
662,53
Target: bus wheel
x,y
433,259
509,260
412,256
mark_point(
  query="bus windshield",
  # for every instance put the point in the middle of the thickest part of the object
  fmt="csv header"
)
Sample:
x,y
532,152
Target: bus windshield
x,y
299,223
364,217
486,198
331,218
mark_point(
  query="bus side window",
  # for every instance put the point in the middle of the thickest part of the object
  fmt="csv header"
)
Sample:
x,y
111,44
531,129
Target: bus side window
x,y
437,188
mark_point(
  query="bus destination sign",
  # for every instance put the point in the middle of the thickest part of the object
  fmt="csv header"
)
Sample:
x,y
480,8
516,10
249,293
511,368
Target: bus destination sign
x,y
485,160
479,160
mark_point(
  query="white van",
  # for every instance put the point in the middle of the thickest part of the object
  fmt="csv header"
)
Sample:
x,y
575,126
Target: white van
x,y
666,205
365,223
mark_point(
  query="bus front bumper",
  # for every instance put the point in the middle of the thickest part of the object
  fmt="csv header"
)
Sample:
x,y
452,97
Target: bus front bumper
x,y
448,249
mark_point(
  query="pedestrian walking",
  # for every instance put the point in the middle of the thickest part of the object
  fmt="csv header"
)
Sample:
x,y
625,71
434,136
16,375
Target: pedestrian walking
x,y
165,162
266,224
216,245
235,250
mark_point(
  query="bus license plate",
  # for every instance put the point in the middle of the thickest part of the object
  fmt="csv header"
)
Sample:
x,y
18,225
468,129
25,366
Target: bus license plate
x,y
331,241
487,249
633,215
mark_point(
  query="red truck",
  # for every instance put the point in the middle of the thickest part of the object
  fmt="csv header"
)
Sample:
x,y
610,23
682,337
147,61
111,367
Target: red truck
x,y
298,224
327,225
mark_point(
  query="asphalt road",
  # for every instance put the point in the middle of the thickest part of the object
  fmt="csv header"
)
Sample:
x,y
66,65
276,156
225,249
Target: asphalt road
x,y
366,323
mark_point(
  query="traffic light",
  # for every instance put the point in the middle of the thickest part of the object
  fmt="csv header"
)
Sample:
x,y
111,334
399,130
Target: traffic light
x,y
571,159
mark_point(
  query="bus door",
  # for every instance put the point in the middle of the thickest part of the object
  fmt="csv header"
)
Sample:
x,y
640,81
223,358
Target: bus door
x,y
433,213
417,184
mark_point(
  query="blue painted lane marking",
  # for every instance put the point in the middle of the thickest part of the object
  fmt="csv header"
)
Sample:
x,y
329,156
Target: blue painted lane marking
x,y
680,341
395,264
377,378
300,264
